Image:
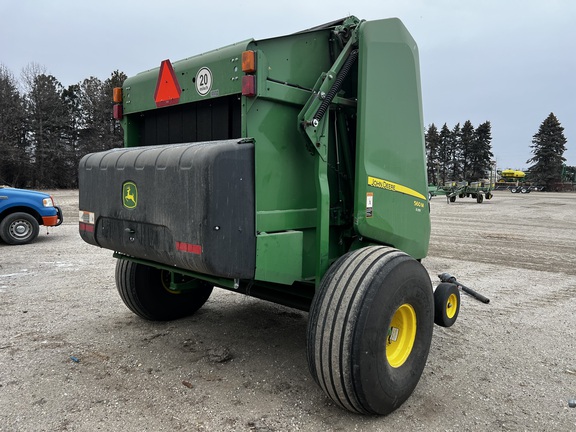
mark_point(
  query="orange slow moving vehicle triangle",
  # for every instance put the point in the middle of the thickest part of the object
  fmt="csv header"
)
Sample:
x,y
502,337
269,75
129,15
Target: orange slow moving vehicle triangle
x,y
167,88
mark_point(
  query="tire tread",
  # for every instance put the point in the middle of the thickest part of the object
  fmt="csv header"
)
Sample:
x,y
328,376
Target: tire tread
x,y
335,332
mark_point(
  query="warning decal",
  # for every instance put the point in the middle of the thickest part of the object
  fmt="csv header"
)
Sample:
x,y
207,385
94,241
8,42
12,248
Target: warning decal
x,y
369,204
167,87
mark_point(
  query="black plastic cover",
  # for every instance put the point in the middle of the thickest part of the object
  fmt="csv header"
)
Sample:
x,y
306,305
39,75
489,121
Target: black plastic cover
x,y
186,205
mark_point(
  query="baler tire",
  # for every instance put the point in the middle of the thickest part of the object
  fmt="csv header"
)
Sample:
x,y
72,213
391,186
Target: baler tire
x,y
446,304
19,228
479,198
453,199
143,289
370,329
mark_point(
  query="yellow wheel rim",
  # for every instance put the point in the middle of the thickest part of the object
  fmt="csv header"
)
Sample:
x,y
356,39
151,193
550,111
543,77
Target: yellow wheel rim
x,y
451,306
401,335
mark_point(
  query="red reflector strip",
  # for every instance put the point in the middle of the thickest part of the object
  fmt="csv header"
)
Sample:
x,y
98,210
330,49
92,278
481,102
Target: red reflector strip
x,y
190,248
249,85
86,227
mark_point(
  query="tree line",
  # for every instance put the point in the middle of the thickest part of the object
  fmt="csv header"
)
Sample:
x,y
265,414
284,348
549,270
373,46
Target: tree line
x,y
463,153
46,128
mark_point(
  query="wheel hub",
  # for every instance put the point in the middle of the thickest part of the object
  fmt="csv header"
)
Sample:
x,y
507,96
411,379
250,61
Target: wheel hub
x,y
20,229
451,306
401,335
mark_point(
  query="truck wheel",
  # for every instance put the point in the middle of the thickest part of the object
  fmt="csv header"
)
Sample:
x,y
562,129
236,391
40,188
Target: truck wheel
x,y
446,304
370,329
144,290
19,228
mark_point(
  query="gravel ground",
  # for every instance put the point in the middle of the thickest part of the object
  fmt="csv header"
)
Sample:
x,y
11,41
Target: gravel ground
x,y
74,358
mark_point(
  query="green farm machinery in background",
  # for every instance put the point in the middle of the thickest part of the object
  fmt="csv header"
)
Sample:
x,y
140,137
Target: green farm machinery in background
x,y
475,190
291,169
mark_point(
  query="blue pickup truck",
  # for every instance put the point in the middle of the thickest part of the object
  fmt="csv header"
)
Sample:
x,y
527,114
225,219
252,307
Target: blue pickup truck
x,y
22,212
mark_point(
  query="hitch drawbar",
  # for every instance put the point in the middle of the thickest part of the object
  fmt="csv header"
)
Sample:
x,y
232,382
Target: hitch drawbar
x,y
447,277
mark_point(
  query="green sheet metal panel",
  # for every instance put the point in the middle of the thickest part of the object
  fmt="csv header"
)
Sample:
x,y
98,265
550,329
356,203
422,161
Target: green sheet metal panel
x,y
225,71
285,196
296,59
279,257
285,174
284,178
391,188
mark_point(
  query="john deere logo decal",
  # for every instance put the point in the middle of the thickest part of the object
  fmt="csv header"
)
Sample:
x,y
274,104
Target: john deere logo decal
x,y
129,195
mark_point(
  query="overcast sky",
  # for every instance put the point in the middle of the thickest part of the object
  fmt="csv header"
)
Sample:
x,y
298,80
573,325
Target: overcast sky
x,y
509,62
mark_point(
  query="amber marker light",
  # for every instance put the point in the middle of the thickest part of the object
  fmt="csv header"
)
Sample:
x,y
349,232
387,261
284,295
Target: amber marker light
x,y
117,95
249,61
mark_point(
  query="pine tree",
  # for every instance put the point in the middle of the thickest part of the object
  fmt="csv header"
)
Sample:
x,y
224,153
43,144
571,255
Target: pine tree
x,y
455,163
71,98
444,153
481,154
548,147
467,142
432,148
47,123
14,161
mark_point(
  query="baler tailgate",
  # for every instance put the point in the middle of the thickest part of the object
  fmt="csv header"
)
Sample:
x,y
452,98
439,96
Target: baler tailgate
x,y
187,205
